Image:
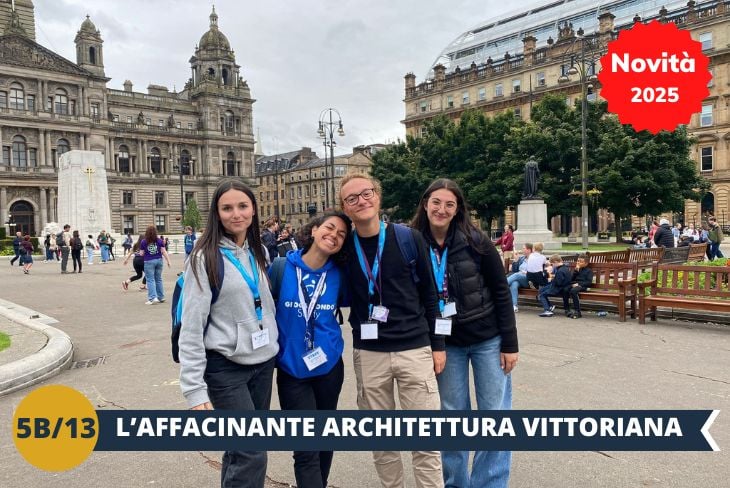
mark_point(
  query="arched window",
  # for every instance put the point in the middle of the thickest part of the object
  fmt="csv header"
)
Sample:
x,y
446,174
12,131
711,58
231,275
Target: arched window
x,y
155,161
185,164
211,72
229,121
225,76
92,55
61,102
123,159
62,146
20,153
17,96
230,168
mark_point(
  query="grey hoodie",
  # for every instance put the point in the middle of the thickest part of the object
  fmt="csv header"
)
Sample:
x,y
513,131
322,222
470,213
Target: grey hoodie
x,y
232,322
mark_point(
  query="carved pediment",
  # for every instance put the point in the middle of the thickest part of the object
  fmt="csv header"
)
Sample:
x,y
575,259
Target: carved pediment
x,y
20,51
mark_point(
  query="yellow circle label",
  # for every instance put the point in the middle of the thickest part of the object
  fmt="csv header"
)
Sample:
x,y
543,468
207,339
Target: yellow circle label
x,y
55,428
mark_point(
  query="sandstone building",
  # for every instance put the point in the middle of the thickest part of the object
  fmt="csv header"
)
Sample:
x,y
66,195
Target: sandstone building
x,y
50,105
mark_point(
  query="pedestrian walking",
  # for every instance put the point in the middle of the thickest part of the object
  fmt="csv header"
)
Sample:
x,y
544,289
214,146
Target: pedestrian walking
x,y
47,247
17,241
76,247
127,244
137,264
103,242
478,321
26,254
715,237
153,251
63,241
228,348
310,370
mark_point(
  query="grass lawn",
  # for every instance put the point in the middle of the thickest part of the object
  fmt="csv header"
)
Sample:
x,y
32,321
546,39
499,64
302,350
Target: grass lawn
x,y
4,341
595,247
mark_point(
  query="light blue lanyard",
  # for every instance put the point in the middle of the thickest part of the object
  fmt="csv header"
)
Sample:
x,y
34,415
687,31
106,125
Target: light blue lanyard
x,y
371,275
253,283
438,263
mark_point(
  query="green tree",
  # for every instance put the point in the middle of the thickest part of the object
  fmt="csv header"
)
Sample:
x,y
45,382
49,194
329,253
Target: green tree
x,y
192,215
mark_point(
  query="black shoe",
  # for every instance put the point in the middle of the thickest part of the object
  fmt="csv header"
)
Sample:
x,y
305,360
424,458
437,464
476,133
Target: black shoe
x,y
568,313
576,315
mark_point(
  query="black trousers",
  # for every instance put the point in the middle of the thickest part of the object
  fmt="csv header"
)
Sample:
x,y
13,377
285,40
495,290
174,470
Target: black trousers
x,y
138,264
233,386
311,468
572,293
17,256
76,257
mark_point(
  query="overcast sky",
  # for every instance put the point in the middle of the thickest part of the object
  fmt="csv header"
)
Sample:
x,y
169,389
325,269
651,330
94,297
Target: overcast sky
x,y
299,57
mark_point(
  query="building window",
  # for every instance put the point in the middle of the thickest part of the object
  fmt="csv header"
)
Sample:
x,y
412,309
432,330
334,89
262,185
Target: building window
x,y
129,119
160,223
148,121
155,161
541,78
498,90
261,196
178,125
299,191
127,198
283,193
340,171
123,159
518,112
706,40
95,109
190,126
482,93
20,156
706,158
61,102
301,207
115,118
291,207
62,147
159,199
33,157
230,169
422,131
17,97
189,196
30,102
291,193
6,155
465,98
3,99
128,224
424,106
449,101
229,122
516,86
283,209
160,123
706,116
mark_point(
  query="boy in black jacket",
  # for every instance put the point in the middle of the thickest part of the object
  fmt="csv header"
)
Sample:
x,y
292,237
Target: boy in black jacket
x,y
558,280
580,281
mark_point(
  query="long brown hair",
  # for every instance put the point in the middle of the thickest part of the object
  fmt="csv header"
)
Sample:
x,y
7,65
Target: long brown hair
x,y
150,235
207,246
461,220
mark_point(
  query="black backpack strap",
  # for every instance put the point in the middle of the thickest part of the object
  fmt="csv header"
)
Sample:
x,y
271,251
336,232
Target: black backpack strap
x,y
276,273
407,246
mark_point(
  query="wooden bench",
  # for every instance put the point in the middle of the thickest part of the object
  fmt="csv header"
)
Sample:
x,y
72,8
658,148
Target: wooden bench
x,y
687,287
644,257
609,257
697,252
613,283
675,255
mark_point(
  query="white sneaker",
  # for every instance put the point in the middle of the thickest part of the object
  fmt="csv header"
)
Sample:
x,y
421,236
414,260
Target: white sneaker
x,y
516,309
152,302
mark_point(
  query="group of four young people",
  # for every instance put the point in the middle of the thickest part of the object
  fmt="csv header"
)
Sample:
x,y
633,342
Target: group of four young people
x,y
418,319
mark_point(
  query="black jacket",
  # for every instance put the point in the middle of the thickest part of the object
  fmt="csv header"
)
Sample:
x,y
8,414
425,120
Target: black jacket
x,y
479,287
583,276
663,236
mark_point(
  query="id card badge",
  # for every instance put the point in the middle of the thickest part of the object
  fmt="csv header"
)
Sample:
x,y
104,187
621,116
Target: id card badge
x,y
314,358
380,313
369,330
260,339
443,326
449,310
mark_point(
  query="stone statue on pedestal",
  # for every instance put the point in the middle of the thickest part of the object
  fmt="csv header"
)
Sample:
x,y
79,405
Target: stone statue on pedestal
x,y
532,175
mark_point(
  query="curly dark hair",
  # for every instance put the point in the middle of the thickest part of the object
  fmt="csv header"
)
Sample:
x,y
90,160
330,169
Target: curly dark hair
x,y
305,239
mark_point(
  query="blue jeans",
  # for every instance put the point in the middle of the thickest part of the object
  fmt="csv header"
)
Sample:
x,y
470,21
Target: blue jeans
x,y
494,392
153,273
545,292
715,251
104,253
515,282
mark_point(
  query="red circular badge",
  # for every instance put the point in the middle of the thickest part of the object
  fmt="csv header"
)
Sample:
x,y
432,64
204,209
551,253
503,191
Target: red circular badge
x,y
654,76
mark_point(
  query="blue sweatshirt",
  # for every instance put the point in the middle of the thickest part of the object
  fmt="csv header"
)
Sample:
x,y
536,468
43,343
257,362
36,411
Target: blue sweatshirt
x,y
291,323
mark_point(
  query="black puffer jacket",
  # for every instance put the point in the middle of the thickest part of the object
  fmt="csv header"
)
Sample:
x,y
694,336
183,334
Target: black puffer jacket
x,y
663,236
478,286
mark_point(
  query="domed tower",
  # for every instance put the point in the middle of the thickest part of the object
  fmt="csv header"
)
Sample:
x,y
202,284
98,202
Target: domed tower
x,y
89,51
214,61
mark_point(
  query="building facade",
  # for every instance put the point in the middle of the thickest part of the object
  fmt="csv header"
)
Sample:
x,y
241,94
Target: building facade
x,y
509,63
297,185
50,105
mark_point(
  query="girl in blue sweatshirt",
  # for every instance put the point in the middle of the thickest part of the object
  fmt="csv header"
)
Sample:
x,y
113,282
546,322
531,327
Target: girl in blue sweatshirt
x,y
310,370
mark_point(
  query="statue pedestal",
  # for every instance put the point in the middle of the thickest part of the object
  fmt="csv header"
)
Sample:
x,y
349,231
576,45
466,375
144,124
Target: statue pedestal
x,y
532,225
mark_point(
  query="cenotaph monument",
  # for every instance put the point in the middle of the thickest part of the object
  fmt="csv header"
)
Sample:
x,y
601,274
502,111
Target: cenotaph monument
x,y
83,196
532,216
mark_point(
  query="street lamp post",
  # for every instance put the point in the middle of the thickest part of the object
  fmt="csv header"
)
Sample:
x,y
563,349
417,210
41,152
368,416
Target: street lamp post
x,y
326,131
585,68
276,186
180,168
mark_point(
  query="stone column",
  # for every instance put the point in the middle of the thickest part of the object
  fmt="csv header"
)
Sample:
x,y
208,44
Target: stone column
x,y
141,163
199,159
49,154
3,205
109,154
1,154
82,141
44,207
42,147
53,205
